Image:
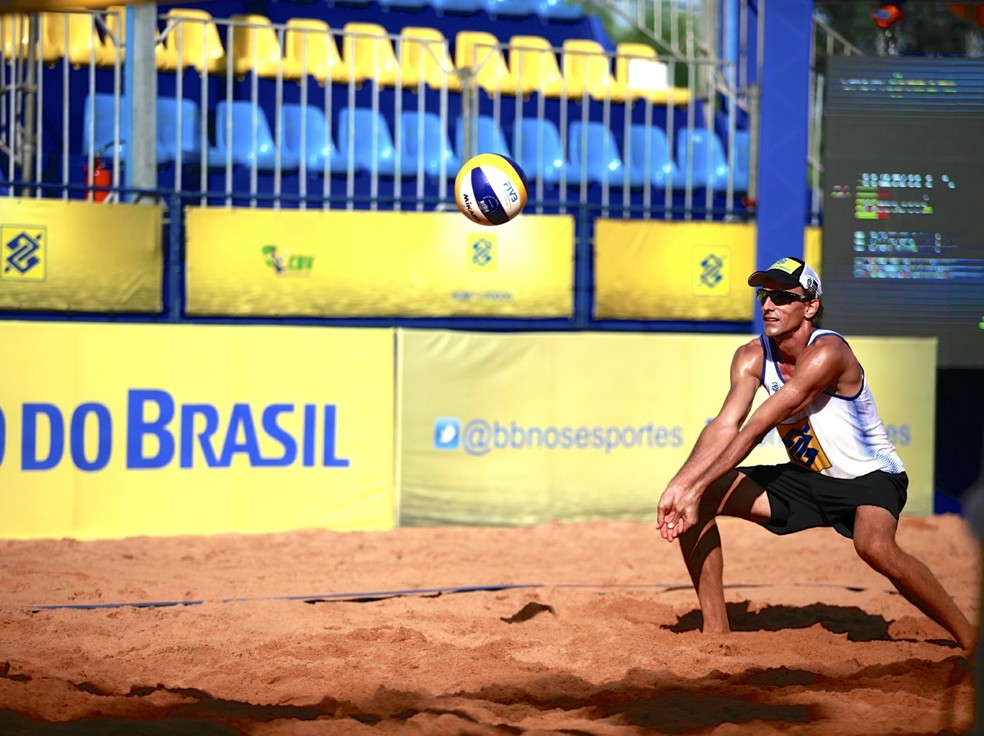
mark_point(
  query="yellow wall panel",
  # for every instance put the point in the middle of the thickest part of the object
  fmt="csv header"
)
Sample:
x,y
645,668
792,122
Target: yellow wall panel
x,y
80,256
353,264
513,429
122,430
650,269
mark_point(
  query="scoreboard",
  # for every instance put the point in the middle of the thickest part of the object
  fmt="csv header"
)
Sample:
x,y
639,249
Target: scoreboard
x,y
903,239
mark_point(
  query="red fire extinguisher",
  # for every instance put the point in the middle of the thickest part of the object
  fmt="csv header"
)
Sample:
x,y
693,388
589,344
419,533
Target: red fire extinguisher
x,y
101,176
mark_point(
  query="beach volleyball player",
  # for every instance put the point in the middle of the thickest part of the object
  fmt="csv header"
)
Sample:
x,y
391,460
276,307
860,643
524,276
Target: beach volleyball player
x,y
843,471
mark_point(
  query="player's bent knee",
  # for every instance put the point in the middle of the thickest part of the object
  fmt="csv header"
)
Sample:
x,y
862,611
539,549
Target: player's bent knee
x,y
878,553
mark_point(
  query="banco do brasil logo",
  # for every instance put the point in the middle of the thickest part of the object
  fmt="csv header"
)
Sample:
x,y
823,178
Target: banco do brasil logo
x,y
285,263
711,270
23,253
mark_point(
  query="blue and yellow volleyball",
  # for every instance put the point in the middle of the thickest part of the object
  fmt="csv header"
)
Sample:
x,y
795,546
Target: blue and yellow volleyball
x,y
490,189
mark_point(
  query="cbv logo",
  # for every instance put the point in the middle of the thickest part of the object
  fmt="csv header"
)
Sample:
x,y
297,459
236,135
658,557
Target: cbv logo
x,y
285,264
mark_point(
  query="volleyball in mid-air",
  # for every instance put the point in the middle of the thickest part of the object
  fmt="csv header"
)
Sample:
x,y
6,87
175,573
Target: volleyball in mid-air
x,y
490,189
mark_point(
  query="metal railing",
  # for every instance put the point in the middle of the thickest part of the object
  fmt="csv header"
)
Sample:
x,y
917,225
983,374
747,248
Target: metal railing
x,y
256,113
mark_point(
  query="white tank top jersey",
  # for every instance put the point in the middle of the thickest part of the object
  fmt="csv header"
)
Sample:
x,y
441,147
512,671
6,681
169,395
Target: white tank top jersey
x,y
839,436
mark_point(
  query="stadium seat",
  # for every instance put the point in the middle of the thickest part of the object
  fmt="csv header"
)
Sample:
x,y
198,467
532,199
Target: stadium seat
x,y
367,135
534,66
178,119
99,123
310,50
367,52
649,159
425,59
540,152
459,7
191,39
75,36
249,141
707,164
486,137
587,71
594,155
305,137
424,145
255,46
639,74
114,38
480,54
510,8
741,160
15,32
559,10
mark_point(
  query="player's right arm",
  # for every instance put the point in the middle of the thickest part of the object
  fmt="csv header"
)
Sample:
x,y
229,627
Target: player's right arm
x,y
717,435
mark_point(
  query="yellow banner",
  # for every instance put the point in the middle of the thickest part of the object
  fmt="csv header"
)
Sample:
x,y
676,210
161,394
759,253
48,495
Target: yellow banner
x,y
649,269
379,264
80,256
123,430
813,248
594,425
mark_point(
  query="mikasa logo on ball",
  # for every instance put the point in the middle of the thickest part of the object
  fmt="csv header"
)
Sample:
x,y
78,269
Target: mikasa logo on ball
x,y
466,202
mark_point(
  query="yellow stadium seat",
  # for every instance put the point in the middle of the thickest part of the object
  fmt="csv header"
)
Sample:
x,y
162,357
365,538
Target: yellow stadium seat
x,y
310,50
587,70
479,53
191,39
368,53
424,57
15,33
639,74
255,46
73,35
534,65
114,20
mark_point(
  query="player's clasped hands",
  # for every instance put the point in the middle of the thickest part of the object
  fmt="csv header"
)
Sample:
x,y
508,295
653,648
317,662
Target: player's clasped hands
x,y
677,512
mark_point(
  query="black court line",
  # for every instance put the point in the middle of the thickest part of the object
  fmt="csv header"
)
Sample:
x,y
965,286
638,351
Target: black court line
x,y
373,596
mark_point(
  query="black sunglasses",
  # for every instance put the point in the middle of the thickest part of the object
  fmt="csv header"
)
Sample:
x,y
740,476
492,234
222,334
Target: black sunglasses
x,y
780,298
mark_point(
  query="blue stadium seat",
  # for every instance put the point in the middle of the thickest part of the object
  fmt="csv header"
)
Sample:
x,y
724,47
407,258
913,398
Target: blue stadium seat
x,y
368,135
250,141
169,126
510,8
708,166
648,157
594,154
742,161
559,10
539,151
424,144
459,7
98,123
305,136
486,137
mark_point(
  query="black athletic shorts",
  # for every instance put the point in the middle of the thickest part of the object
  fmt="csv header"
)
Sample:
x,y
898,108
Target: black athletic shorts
x,y
803,499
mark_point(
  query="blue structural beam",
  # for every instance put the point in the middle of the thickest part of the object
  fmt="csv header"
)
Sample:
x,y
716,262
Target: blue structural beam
x,y
783,131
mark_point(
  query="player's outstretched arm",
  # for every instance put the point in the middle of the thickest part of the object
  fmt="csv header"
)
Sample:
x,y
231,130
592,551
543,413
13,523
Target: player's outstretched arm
x,y
713,439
